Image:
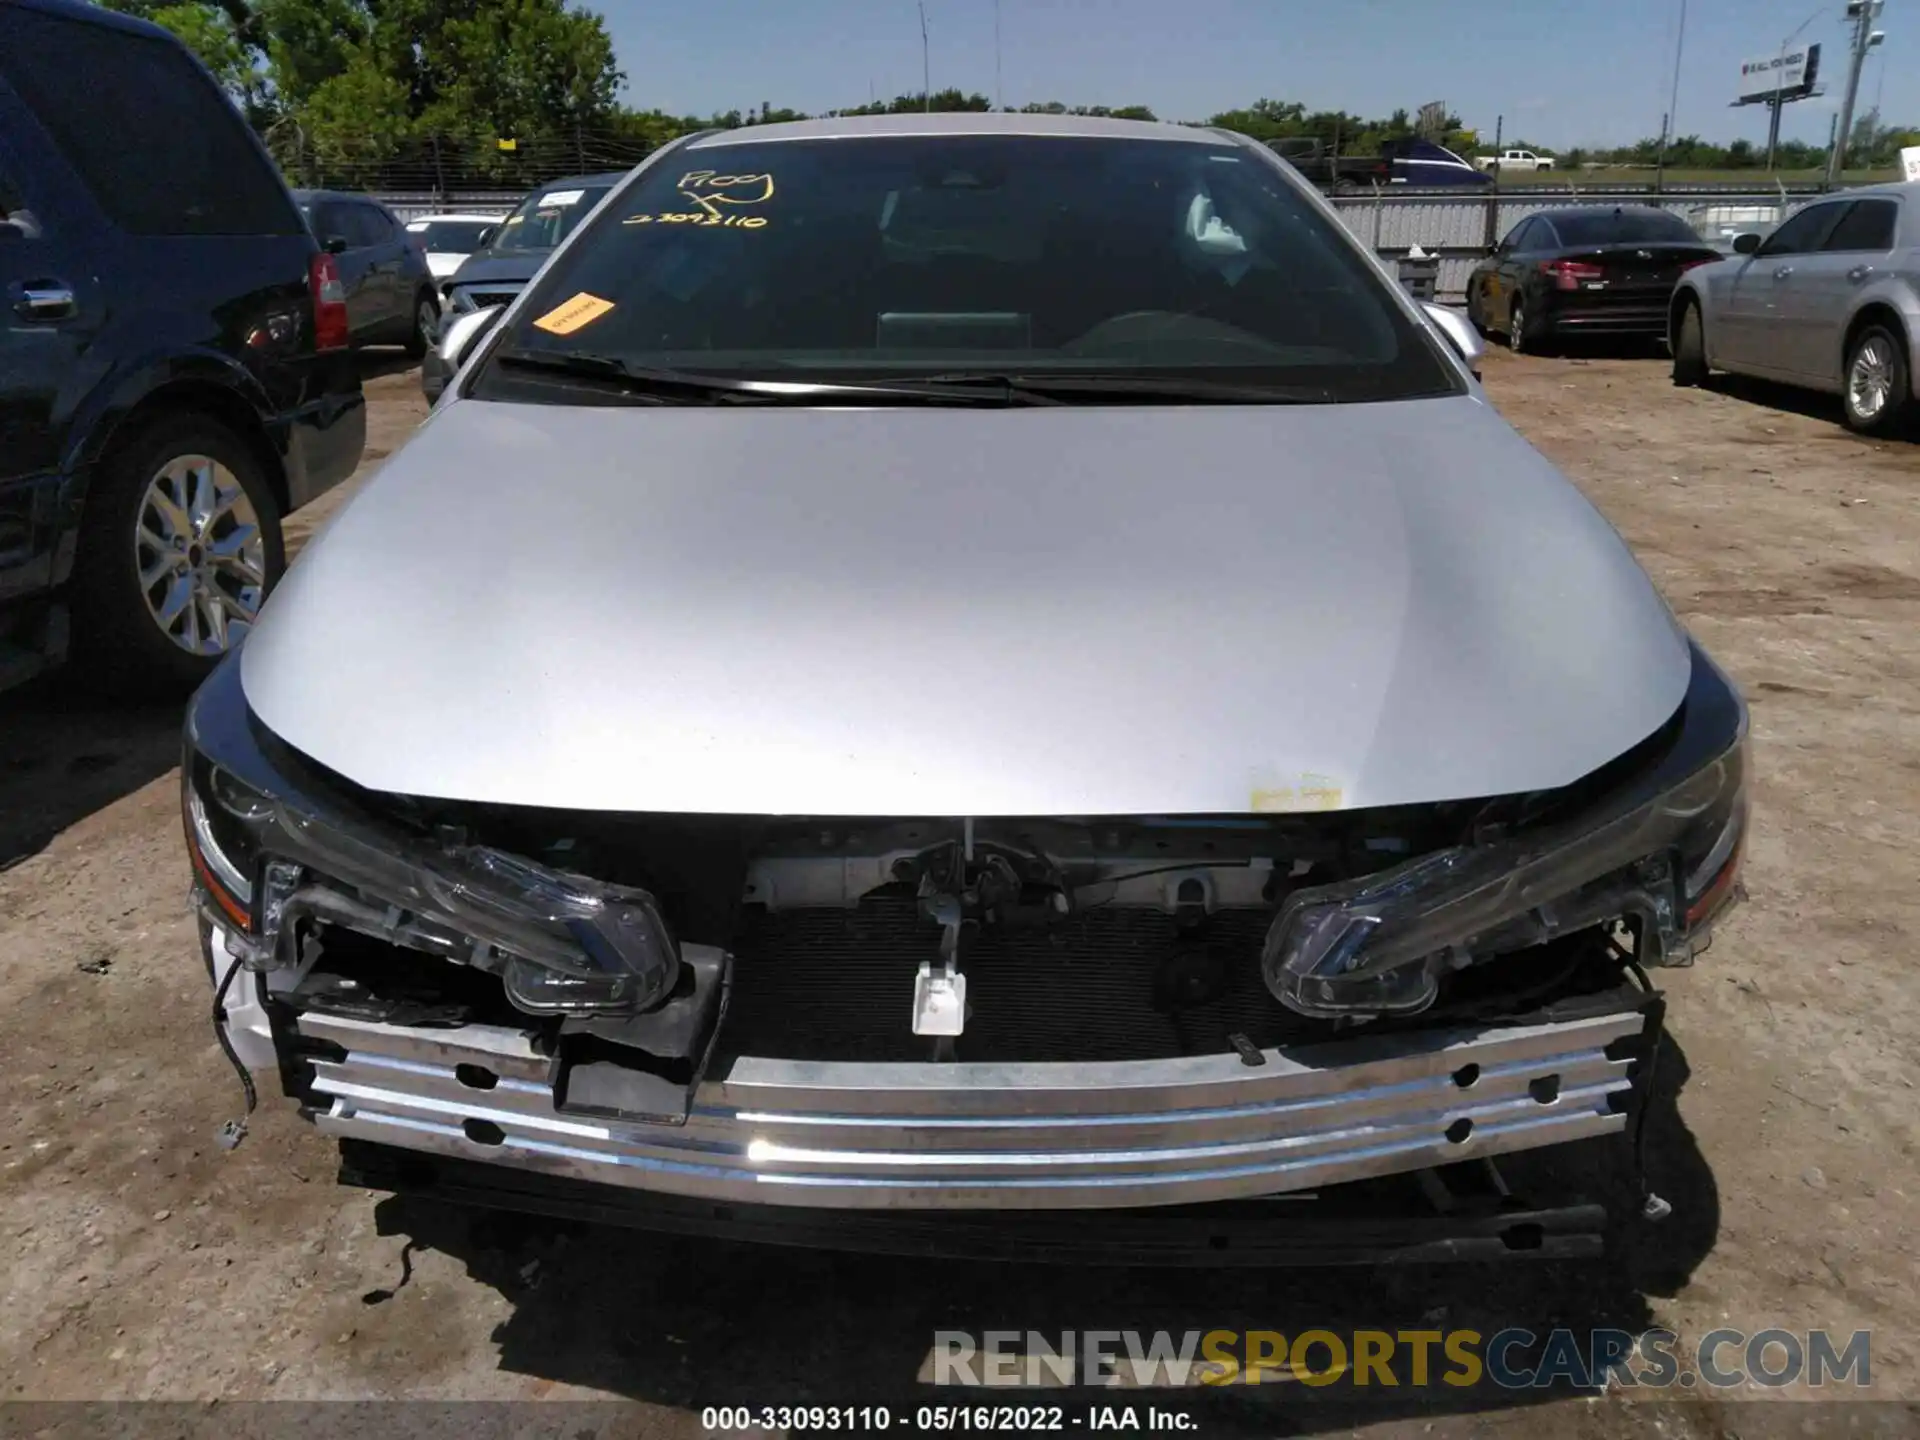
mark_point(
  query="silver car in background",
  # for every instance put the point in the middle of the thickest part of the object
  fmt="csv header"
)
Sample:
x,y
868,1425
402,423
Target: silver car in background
x,y
983,663
1830,300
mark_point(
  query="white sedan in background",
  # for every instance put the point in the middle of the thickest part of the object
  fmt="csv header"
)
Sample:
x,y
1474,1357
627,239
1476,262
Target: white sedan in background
x,y
449,239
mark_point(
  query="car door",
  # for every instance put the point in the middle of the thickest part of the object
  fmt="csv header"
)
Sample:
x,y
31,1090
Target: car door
x,y
1854,253
386,244
50,310
336,225
1752,332
1495,278
1520,264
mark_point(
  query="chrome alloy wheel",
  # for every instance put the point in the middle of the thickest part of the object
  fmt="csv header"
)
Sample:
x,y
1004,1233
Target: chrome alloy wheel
x,y
1870,379
199,555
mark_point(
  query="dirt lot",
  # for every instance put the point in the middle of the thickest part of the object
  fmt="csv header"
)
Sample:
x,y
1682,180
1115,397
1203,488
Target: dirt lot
x,y
143,1260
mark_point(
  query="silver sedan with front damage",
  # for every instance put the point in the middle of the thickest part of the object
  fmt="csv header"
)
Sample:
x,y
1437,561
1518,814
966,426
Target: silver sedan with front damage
x,y
973,663
1830,300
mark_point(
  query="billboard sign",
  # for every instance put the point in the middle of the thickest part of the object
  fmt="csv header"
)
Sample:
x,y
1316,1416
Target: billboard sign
x,y
1910,162
1790,74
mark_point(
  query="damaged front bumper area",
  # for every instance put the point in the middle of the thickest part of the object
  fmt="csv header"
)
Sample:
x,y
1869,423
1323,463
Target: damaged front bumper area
x,y
904,1015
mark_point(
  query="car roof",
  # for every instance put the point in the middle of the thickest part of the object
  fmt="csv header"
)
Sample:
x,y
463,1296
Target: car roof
x,y
968,122
1894,189
303,196
1567,212
90,14
580,182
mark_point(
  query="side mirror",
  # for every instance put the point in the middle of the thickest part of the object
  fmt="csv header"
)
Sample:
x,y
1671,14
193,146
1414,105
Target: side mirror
x,y
336,244
1461,335
458,336
1746,243
486,237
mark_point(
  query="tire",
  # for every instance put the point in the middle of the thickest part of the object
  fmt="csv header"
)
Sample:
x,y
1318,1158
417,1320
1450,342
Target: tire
x,y
1519,339
426,319
1526,335
1690,348
1876,393
138,521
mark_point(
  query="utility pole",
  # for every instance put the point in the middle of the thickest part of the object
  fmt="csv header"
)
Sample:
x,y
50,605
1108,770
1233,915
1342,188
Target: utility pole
x,y
1865,37
1673,99
999,97
926,65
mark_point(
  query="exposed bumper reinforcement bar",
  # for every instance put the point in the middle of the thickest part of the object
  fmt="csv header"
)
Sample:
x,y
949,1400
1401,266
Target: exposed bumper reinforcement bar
x,y
980,1136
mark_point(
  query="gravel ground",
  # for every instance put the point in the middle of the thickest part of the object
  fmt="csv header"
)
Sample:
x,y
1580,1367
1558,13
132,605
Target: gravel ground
x,y
145,1262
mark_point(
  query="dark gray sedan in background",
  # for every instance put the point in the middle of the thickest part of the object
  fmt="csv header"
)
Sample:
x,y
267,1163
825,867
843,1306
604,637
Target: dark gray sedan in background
x,y
1829,300
383,269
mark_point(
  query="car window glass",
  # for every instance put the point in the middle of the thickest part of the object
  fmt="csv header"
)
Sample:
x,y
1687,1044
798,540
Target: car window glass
x,y
1867,225
161,150
372,225
457,237
1542,236
1516,235
1625,227
327,222
1803,232
892,255
14,209
547,217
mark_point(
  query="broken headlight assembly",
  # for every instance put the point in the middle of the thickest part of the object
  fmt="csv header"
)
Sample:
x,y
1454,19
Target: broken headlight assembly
x,y
1666,863
561,943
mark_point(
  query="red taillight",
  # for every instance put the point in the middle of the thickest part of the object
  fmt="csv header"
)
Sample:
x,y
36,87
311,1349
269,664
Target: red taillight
x,y
1568,274
1686,265
329,303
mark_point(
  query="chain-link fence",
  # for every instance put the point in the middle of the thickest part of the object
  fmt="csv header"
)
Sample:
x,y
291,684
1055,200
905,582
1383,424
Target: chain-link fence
x,y
446,164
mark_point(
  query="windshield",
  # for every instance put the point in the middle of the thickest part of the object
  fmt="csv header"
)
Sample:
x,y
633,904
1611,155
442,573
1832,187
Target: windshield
x,y
1629,227
546,217
948,256
457,237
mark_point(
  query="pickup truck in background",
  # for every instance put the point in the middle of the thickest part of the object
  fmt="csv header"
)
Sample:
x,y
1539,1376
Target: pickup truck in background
x,y
1399,162
1514,160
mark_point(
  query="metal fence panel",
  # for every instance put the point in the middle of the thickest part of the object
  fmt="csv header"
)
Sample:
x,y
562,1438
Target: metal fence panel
x,y
415,205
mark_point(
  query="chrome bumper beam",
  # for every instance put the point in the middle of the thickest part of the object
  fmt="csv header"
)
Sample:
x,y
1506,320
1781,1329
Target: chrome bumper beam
x,y
985,1136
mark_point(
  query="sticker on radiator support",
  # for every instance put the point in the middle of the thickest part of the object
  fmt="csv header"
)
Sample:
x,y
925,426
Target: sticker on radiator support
x,y
575,314
1313,792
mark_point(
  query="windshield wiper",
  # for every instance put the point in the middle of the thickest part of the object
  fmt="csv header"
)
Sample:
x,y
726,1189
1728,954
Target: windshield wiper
x,y
1163,389
652,385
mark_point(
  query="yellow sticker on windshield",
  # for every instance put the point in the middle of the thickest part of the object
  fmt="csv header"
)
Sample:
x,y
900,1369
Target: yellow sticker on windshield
x,y
579,312
717,202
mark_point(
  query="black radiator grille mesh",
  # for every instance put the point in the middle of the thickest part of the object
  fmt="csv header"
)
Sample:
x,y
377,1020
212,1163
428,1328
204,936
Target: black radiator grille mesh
x,y
1108,984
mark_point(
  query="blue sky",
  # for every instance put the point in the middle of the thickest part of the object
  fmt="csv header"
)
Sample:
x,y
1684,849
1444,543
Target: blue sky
x,y
1563,72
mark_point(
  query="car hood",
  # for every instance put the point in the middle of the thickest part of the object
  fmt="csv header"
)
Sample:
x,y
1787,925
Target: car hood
x,y
943,612
481,266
